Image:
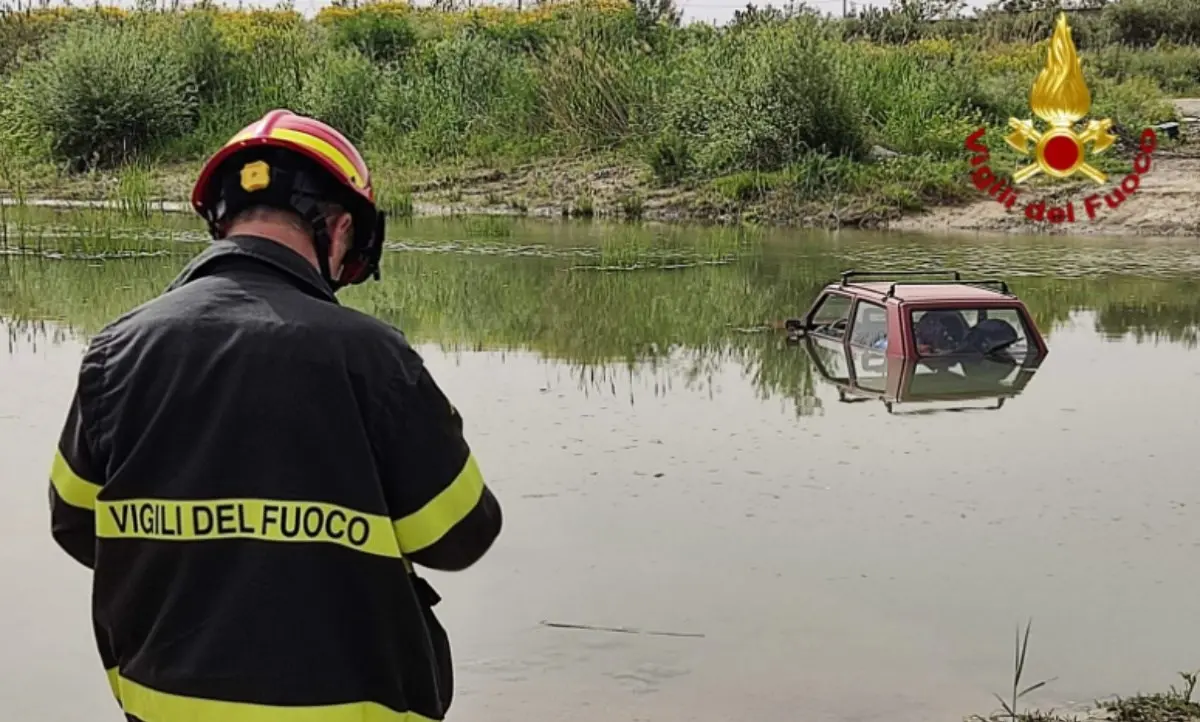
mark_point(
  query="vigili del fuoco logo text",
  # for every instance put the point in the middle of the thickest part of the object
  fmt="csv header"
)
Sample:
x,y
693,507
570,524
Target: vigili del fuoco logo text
x,y
1060,98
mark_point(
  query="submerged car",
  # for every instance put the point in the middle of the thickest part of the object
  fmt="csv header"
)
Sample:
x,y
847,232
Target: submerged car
x,y
910,317
901,341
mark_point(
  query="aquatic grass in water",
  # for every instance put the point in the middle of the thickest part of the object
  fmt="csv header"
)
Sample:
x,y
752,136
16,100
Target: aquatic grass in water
x,y
133,191
95,234
665,247
488,227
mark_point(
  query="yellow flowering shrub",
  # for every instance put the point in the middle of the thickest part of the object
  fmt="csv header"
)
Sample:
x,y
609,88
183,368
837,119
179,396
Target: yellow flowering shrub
x,y
28,29
247,30
485,15
333,13
939,48
1014,57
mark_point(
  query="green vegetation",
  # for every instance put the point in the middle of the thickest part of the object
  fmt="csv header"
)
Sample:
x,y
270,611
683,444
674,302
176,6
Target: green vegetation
x,y
776,112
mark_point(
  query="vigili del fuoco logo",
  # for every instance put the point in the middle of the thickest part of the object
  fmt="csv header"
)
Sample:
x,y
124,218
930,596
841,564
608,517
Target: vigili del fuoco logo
x,y
1060,98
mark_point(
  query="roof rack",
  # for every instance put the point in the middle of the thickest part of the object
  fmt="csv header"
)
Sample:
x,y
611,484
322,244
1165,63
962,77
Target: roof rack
x,y
1002,286
847,275
851,273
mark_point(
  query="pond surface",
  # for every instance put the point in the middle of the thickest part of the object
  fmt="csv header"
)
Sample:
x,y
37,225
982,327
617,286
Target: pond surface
x,y
668,465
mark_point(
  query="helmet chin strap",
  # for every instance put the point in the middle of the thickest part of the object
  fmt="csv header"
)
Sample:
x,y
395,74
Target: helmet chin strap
x,y
308,210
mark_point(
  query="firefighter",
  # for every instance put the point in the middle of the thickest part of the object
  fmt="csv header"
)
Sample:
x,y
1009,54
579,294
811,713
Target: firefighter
x,y
252,470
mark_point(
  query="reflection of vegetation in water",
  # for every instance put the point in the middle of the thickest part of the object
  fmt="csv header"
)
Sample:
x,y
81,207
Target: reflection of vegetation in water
x,y
550,293
589,317
772,369
32,331
1147,309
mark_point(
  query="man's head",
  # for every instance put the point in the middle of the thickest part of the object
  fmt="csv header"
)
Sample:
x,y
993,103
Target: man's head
x,y
287,228
299,182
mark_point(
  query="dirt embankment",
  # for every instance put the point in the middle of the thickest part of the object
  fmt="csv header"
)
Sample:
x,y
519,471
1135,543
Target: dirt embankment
x,y
1166,202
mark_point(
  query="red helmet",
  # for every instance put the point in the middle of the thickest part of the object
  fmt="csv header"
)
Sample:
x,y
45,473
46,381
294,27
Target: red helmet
x,y
289,160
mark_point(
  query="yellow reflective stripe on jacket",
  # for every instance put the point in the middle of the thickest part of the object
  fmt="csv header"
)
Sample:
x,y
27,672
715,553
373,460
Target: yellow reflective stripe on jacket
x,y
264,519
431,522
150,705
73,488
114,676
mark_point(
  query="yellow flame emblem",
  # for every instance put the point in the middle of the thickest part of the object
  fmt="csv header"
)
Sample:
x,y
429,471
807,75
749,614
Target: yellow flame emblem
x,y
1060,97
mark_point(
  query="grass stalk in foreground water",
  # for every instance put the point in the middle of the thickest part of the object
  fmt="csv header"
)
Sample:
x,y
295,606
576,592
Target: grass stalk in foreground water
x,y
1022,648
1175,705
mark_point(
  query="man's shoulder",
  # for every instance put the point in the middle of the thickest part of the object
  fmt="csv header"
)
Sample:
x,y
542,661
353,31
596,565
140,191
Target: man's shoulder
x,y
367,343
366,329
128,323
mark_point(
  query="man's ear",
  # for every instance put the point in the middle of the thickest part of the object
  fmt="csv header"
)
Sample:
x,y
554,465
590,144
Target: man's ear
x,y
341,232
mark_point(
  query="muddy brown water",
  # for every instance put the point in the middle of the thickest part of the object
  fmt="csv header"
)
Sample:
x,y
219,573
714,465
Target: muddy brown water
x,y
667,467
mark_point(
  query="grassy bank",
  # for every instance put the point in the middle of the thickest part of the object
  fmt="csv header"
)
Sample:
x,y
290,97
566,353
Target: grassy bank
x,y
594,107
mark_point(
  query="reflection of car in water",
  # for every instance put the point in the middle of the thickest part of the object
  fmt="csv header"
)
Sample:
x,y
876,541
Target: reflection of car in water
x,y
865,374
927,340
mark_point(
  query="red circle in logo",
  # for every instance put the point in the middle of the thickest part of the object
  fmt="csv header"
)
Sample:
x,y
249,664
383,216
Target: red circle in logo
x,y
1061,153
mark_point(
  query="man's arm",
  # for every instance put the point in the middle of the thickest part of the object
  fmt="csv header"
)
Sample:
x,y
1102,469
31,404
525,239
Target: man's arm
x,y
74,483
444,515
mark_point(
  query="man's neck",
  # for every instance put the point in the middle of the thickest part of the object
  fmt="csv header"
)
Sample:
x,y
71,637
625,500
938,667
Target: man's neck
x,y
283,234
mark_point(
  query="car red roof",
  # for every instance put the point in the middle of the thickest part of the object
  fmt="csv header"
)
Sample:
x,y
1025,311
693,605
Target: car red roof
x,y
932,291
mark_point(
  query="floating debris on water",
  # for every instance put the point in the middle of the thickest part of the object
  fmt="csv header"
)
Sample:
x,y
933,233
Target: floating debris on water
x,y
619,630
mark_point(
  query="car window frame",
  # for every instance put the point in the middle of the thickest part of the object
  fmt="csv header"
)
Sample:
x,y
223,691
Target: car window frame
x,y
854,322
824,298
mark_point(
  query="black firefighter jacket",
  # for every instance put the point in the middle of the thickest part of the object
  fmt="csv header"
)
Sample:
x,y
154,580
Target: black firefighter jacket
x,y
251,469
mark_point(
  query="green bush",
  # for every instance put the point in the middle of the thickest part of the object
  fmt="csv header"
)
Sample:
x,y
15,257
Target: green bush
x,y
597,83
778,99
1088,30
264,69
208,58
1000,97
470,93
1146,22
25,35
341,89
104,94
760,98
1134,103
383,37
1176,68
521,37
670,158
918,100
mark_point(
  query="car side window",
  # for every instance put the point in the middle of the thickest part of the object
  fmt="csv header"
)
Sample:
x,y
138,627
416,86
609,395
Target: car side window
x,y
832,315
966,330
870,326
1003,326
